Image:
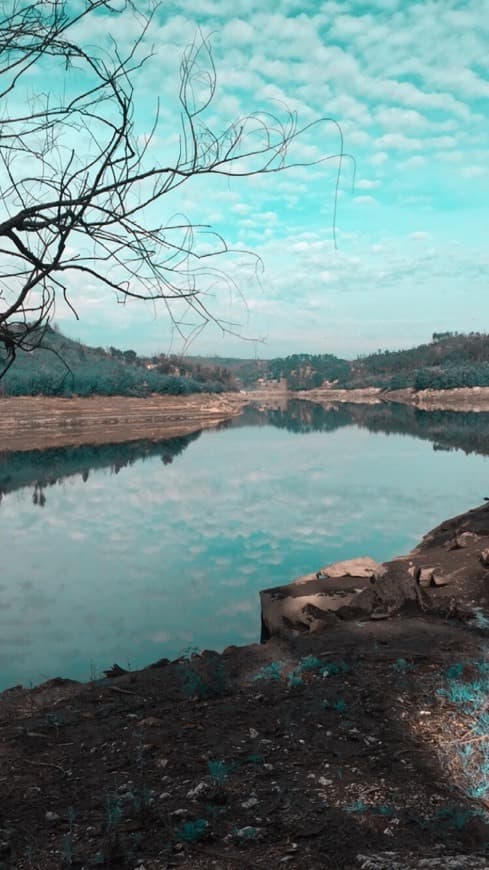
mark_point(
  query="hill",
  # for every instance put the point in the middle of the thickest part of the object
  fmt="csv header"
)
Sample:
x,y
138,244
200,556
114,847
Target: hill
x,y
66,367
450,360
63,367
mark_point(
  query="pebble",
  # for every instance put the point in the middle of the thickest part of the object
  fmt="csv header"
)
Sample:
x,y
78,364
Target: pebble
x,y
199,789
251,802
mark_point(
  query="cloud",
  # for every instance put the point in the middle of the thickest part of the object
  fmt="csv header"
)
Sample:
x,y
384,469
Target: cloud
x,y
408,84
367,184
365,200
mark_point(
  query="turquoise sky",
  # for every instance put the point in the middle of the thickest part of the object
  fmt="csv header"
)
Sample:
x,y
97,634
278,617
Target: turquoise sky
x,y
408,82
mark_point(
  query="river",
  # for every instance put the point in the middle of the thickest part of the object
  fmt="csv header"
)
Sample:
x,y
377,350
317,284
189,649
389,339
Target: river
x,y
132,552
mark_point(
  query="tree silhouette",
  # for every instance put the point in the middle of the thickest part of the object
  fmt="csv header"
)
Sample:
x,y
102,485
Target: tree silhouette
x,y
80,186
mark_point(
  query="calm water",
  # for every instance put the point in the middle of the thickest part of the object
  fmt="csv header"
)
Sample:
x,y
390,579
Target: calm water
x,y
132,552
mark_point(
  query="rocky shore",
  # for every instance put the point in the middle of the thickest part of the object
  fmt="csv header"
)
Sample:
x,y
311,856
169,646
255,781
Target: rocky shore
x,y
356,736
463,399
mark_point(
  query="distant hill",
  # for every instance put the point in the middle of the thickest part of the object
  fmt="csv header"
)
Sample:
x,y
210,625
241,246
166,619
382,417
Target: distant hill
x,y
449,360
66,367
62,366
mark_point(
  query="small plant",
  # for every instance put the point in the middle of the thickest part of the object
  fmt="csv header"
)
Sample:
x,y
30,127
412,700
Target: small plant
x,y
253,758
114,812
384,811
192,832
455,817
339,705
454,672
201,678
471,697
479,620
218,771
308,663
67,842
271,671
357,807
401,666
67,851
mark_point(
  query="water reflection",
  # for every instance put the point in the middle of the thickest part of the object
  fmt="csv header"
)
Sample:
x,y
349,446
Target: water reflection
x,y
44,468
447,430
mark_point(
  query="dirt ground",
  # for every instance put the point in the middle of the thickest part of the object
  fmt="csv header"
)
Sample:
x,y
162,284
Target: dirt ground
x,y
37,422
342,750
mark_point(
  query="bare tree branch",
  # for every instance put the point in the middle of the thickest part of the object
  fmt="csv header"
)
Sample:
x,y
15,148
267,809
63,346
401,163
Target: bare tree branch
x,y
88,210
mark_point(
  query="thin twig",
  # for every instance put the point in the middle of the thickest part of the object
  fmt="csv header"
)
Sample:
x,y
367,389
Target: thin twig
x,y
124,691
477,739
45,764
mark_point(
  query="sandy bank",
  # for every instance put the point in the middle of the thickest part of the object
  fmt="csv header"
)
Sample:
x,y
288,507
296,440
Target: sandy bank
x,y
37,422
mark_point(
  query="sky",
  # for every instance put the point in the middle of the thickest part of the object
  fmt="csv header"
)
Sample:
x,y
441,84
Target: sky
x,y
409,84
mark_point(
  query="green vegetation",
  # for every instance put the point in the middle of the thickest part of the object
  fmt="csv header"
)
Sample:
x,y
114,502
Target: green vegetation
x,y
449,360
466,688
202,675
62,367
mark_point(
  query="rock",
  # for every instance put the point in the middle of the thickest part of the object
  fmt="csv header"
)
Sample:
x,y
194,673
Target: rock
x,y
251,802
429,576
150,722
314,602
425,576
198,790
363,566
461,541
51,817
441,579
248,833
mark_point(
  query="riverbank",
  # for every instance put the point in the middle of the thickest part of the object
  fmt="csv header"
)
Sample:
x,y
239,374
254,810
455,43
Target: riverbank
x,y
362,745
463,399
38,422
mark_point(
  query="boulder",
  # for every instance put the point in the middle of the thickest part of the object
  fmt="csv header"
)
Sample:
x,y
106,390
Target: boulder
x,y
363,567
461,541
315,602
425,576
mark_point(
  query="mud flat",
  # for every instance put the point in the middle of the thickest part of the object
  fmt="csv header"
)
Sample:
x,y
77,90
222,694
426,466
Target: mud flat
x,y
38,422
